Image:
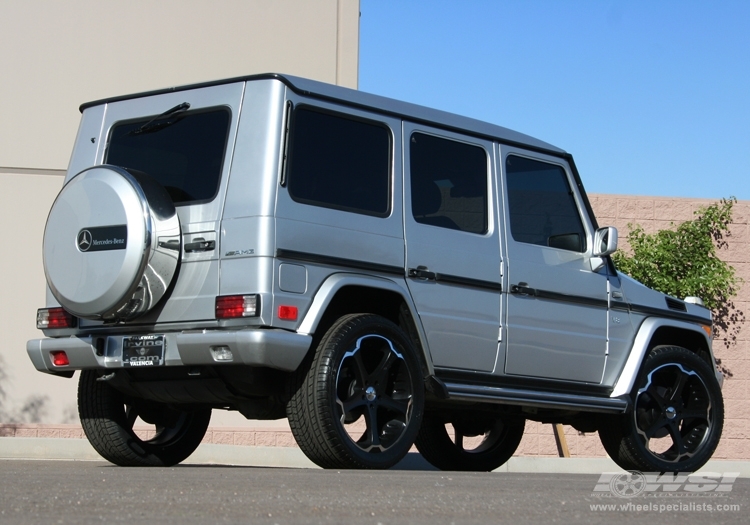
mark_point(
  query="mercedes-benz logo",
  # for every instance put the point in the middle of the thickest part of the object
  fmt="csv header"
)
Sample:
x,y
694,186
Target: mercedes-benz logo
x,y
84,240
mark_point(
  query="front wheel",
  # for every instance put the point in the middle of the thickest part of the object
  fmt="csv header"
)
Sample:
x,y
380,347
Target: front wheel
x,y
478,444
107,417
360,403
677,417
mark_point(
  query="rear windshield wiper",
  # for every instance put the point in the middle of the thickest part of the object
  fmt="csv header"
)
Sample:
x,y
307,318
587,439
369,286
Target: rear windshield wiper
x,y
153,124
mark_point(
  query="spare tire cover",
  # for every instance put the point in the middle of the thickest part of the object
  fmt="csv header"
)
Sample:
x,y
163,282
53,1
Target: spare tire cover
x,y
112,244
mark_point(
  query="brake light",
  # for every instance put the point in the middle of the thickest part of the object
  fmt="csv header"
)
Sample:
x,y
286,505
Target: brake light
x,y
54,318
234,306
59,358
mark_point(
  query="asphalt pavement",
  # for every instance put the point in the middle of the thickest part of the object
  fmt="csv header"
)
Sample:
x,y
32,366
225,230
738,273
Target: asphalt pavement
x,y
61,492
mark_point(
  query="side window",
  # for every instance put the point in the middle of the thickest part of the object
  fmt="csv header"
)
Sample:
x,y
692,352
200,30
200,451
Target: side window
x,y
541,205
339,162
448,183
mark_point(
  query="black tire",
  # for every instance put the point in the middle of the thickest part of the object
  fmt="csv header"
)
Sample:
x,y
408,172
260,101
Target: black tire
x,y
500,439
107,417
677,417
611,433
364,369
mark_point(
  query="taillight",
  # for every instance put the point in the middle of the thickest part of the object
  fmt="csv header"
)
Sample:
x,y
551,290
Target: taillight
x,y
233,306
54,318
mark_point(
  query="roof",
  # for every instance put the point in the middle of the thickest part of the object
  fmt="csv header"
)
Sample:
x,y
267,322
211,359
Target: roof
x,y
370,102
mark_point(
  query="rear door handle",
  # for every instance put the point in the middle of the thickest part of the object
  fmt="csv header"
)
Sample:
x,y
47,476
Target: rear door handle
x,y
421,272
200,246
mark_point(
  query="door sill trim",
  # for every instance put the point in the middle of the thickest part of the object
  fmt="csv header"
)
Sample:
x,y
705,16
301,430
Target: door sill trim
x,y
538,399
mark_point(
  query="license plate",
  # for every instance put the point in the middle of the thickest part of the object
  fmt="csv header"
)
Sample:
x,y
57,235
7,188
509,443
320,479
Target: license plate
x,y
143,350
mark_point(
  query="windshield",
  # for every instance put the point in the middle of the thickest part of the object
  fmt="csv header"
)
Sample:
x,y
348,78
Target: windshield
x,y
184,152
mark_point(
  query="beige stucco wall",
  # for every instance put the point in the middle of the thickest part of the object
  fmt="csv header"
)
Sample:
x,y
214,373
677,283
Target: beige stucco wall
x,y
25,200
56,55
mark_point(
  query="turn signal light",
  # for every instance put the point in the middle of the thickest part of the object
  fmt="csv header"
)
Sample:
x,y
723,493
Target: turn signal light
x,y
54,318
234,306
59,358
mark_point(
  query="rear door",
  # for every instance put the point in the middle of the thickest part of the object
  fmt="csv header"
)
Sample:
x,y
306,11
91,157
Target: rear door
x,y
188,151
452,245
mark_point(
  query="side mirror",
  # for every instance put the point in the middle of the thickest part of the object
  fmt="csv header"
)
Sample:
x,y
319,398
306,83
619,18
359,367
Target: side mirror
x,y
605,241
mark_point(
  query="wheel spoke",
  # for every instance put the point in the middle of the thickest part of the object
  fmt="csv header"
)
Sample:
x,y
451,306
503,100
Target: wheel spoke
x,y
380,374
655,426
678,386
130,416
353,402
396,405
371,438
459,439
360,372
679,444
655,396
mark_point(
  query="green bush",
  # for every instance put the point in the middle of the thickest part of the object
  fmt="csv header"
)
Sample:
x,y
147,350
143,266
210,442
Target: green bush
x,y
683,261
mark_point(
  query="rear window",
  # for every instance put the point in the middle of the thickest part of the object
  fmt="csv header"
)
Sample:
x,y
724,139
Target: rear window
x,y
184,152
339,162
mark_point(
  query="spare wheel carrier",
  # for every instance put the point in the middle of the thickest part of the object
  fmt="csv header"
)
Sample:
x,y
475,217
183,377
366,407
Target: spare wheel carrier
x,y
112,244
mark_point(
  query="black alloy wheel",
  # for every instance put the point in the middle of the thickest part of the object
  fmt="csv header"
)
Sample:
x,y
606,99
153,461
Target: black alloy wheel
x,y
479,443
677,417
360,403
108,418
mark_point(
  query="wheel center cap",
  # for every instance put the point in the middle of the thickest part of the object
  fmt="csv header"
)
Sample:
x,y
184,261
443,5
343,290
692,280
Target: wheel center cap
x,y
370,393
671,413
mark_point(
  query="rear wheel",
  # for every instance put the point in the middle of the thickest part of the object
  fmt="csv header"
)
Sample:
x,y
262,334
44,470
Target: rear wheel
x,y
677,417
478,444
108,416
360,403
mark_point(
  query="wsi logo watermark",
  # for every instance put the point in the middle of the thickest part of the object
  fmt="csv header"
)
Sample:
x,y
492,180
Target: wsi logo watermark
x,y
634,483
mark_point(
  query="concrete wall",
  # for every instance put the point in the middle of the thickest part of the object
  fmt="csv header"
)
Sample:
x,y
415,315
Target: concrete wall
x,y
56,55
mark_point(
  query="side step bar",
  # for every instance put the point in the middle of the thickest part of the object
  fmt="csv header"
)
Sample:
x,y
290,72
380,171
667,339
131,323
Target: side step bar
x,y
533,398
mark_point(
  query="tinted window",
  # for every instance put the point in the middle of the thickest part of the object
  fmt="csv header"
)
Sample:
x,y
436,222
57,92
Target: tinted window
x,y
448,183
338,162
541,204
183,152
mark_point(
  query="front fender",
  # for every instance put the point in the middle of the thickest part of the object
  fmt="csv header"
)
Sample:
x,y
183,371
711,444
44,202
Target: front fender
x,y
641,345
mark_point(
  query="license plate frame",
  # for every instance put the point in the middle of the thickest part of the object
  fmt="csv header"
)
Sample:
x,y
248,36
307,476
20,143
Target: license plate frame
x,y
143,351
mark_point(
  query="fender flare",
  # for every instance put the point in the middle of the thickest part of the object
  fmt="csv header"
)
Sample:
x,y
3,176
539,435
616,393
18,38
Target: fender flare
x,y
335,282
648,328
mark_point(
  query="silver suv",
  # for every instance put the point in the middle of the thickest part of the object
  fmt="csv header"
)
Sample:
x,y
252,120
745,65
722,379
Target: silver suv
x,y
379,273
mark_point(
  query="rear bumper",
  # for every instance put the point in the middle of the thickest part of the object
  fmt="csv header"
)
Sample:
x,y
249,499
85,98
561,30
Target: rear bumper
x,y
277,349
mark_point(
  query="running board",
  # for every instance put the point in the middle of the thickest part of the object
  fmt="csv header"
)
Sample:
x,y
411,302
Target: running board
x,y
533,398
